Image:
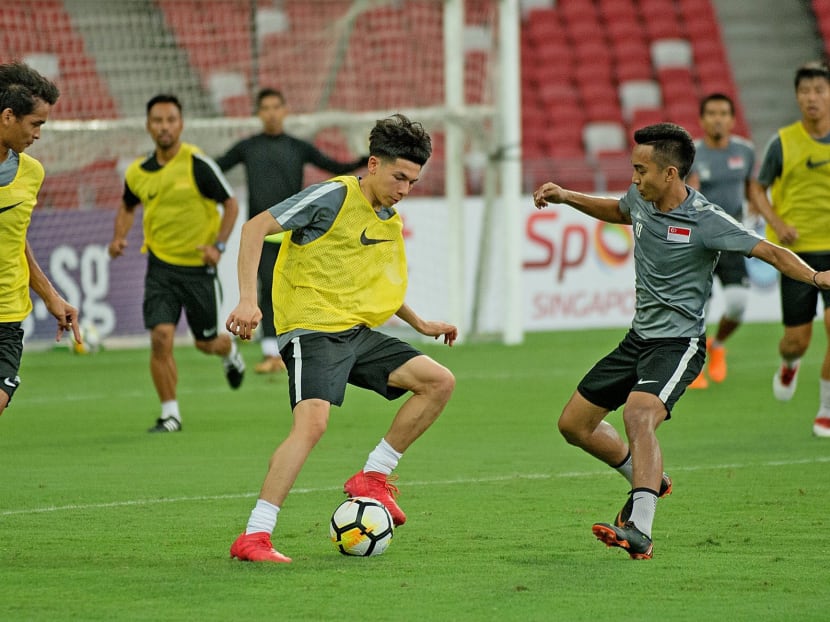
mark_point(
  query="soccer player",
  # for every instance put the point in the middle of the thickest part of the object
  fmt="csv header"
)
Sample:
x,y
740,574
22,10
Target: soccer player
x,y
26,98
341,273
274,163
796,166
723,169
678,236
184,238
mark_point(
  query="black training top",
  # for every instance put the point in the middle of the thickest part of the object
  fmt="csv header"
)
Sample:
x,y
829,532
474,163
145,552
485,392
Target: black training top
x,y
274,167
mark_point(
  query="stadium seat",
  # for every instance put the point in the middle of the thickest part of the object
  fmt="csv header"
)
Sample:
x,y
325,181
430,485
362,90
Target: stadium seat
x,y
614,169
46,63
677,83
616,10
604,136
224,85
671,53
646,116
639,94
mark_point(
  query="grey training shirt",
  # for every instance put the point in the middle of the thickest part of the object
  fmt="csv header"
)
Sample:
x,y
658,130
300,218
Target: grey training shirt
x,y
674,257
723,173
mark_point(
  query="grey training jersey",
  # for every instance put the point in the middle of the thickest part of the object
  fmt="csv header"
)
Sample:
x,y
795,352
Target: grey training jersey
x,y
674,257
723,173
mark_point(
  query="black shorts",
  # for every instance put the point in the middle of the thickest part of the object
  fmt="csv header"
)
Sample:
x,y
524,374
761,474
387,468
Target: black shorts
x,y
662,367
11,350
731,269
320,365
799,300
168,289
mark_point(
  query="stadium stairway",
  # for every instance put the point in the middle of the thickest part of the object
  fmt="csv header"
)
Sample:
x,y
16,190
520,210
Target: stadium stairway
x,y
766,41
144,42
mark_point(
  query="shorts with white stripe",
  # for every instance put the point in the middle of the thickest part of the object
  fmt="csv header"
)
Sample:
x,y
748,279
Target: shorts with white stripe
x,y
320,365
662,367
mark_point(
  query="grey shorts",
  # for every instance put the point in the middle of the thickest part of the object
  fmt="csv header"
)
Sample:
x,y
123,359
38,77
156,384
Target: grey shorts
x,y
320,365
662,367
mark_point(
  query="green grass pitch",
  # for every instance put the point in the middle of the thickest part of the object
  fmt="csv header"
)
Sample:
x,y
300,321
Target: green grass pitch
x,y
101,521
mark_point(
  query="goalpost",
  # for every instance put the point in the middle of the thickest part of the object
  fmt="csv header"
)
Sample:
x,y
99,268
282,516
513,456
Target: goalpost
x,y
342,65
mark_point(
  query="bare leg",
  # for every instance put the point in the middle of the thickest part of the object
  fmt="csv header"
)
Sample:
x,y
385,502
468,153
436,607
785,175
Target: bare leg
x,y
310,421
162,363
581,423
642,415
221,345
431,385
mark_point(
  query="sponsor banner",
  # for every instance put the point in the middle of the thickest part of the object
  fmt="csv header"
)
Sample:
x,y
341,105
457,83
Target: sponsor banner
x,y
577,272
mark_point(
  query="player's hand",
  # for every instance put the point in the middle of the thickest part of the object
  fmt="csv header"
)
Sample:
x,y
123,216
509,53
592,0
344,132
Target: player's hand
x,y
67,317
117,247
548,193
787,234
438,329
210,254
243,320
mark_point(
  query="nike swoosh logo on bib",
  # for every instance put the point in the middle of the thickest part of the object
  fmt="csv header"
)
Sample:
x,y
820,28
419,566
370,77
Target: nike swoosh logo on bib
x,y
366,241
817,163
8,207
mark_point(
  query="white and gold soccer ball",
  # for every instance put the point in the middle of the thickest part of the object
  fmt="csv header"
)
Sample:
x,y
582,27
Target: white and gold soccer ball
x,y
361,526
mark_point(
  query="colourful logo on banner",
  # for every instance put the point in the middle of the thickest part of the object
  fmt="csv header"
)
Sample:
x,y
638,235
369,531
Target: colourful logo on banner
x,y
613,243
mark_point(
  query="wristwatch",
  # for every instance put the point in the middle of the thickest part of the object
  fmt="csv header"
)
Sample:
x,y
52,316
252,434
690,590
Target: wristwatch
x,y
220,246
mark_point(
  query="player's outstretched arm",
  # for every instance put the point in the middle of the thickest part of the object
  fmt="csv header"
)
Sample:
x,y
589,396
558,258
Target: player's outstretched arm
x,y
601,208
426,327
787,262
64,313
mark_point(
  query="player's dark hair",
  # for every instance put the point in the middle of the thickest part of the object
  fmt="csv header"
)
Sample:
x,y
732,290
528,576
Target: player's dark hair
x,y
813,69
268,92
21,87
717,97
164,98
673,145
397,137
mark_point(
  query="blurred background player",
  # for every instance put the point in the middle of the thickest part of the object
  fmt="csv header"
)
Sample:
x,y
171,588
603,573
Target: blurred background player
x,y
796,167
723,171
274,163
26,98
184,238
326,327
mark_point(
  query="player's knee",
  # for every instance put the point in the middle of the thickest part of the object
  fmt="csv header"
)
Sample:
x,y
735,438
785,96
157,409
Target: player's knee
x,y
569,428
735,301
443,384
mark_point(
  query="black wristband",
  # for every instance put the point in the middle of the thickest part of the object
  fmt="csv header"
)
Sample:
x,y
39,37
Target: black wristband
x,y
815,274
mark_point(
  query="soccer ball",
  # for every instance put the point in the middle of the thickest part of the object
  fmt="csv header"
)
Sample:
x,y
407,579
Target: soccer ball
x,y
91,339
361,526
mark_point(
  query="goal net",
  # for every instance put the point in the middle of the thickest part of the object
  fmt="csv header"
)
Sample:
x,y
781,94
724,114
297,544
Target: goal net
x,y
341,64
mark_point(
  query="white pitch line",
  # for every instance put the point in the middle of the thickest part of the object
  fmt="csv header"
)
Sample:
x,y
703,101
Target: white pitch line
x,y
449,482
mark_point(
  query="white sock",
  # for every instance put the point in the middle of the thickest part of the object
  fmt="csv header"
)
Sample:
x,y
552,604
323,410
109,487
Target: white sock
x,y
263,517
626,469
383,458
270,347
790,363
642,515
824,394
232,352
170,408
